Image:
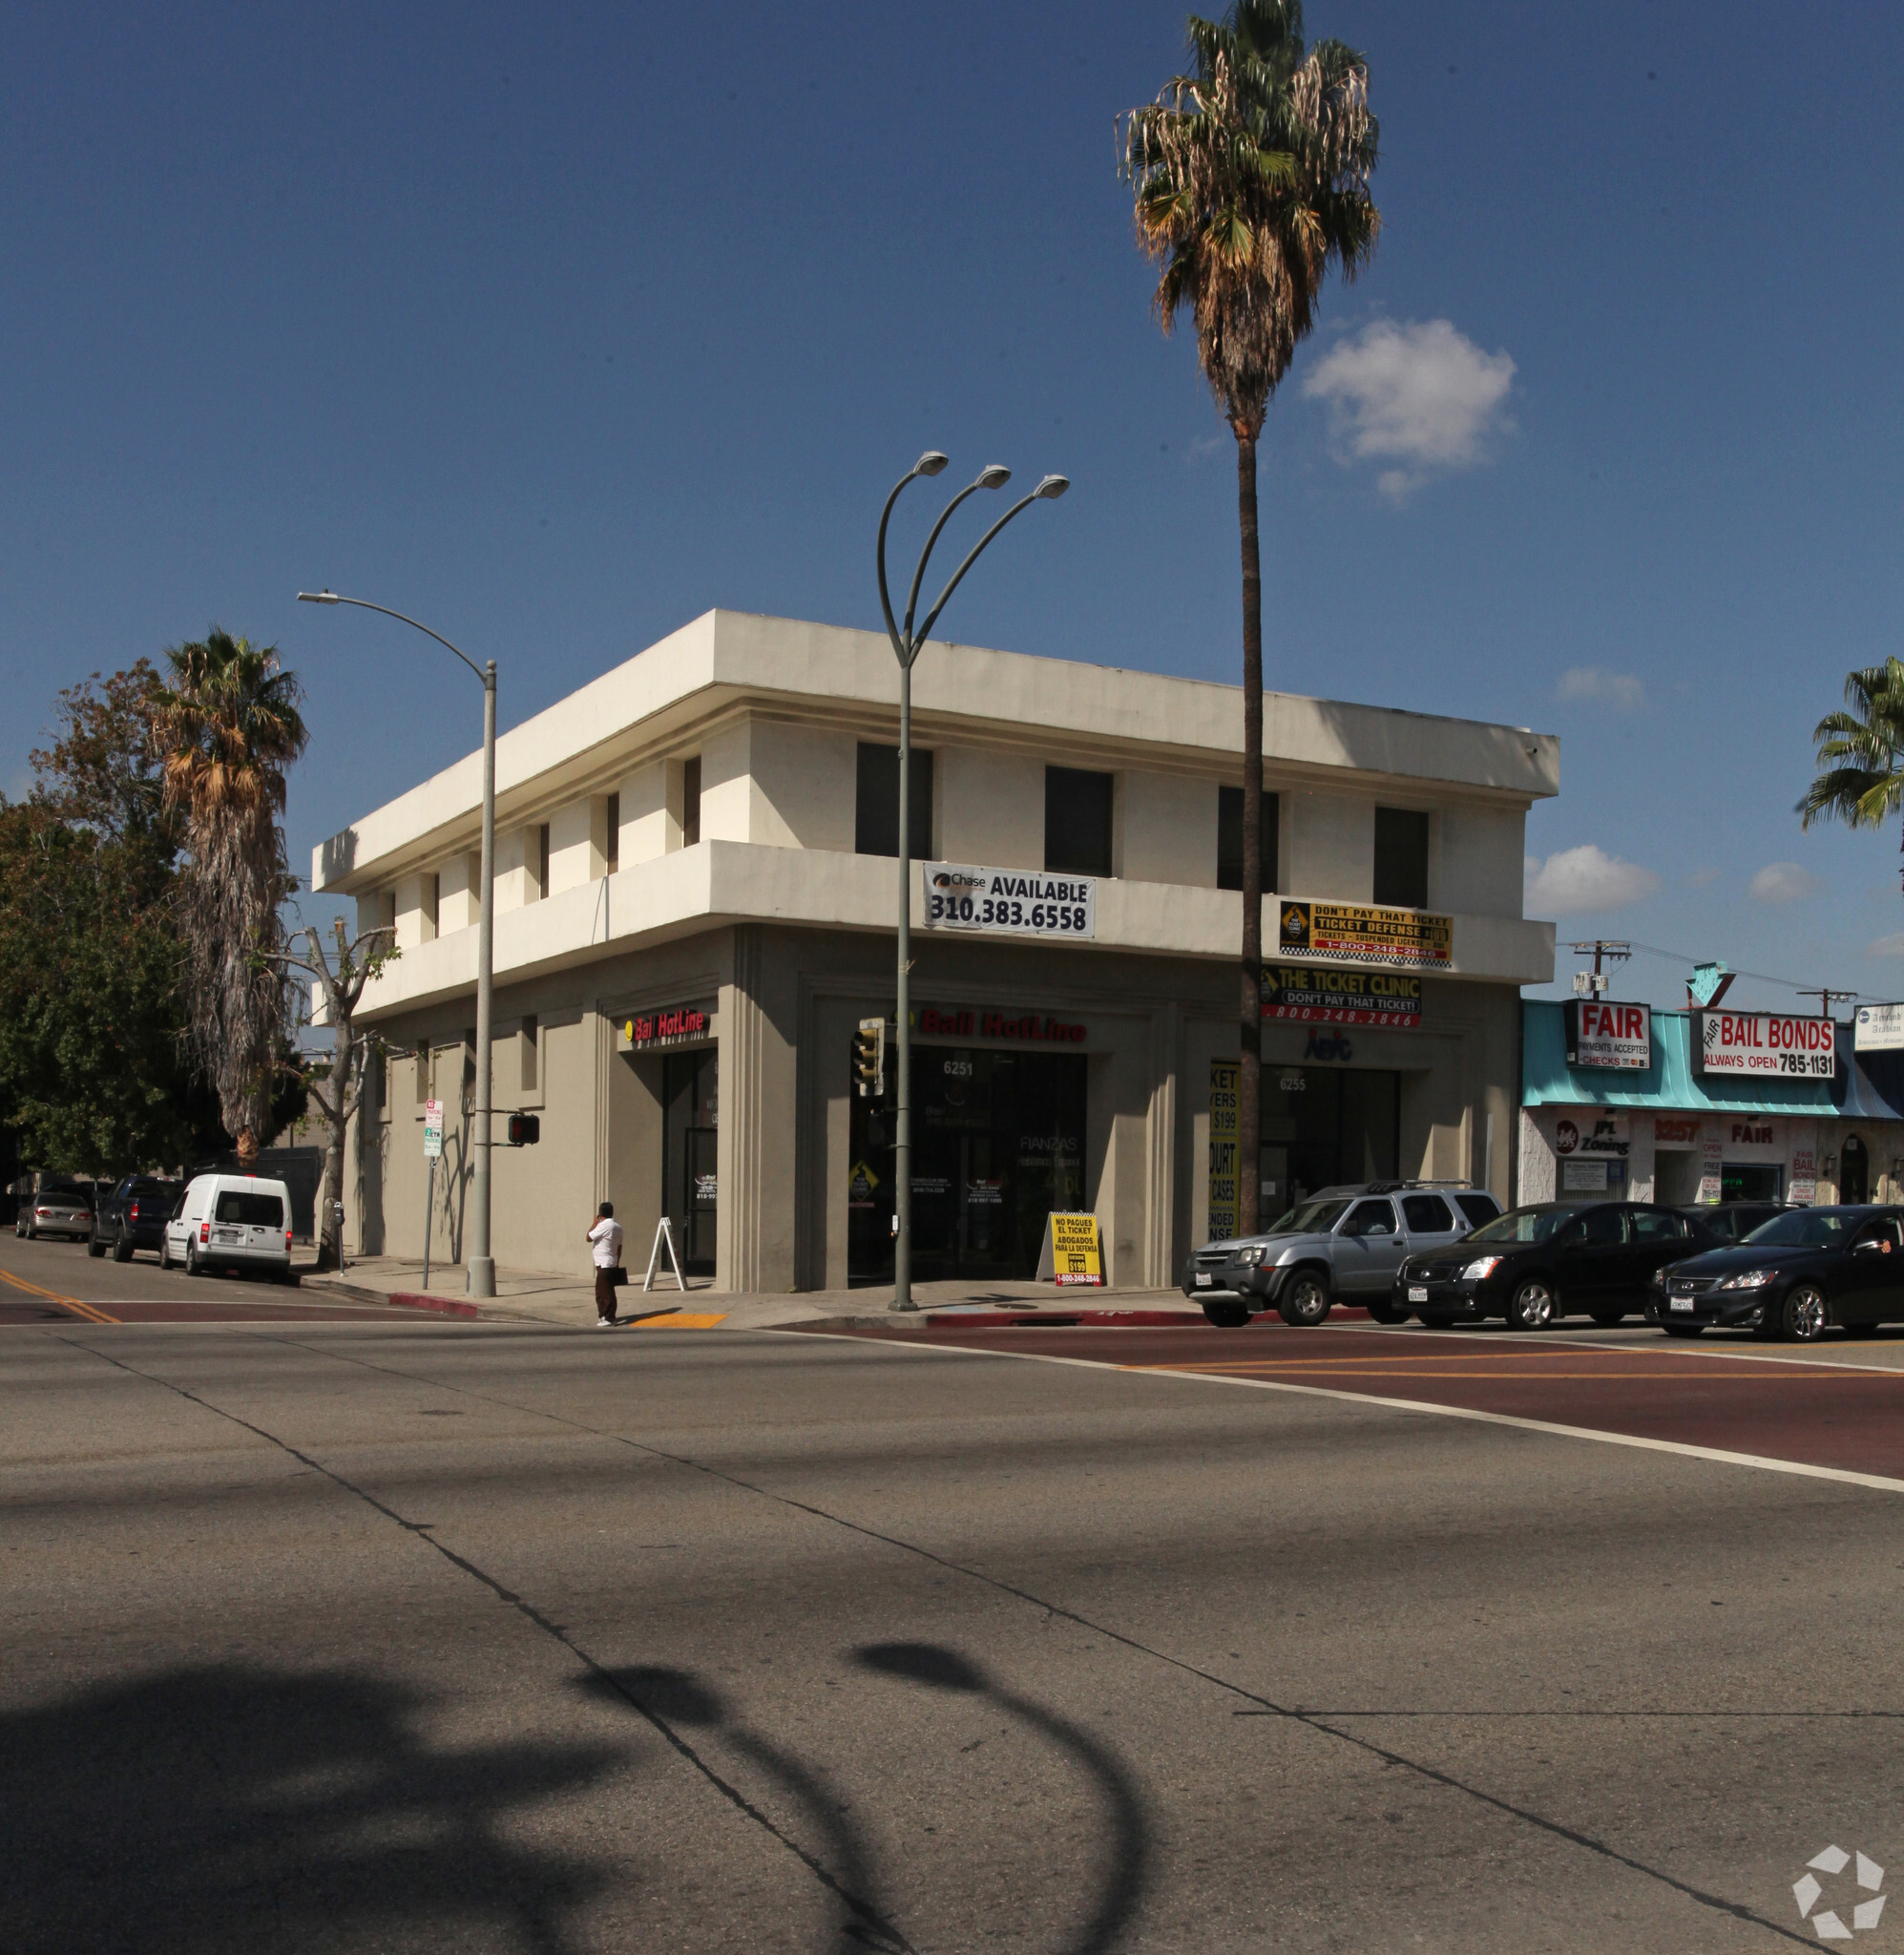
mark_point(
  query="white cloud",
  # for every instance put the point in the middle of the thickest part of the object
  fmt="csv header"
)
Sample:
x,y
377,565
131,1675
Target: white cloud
x,y
1420,394
1784,882
1595,682
1586,878
1891,946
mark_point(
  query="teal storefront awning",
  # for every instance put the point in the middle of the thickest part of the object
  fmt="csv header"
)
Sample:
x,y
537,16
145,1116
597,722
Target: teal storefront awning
x,y
1670,1081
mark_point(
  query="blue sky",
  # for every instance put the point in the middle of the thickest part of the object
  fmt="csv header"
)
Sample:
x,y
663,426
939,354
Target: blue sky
x,y
559,326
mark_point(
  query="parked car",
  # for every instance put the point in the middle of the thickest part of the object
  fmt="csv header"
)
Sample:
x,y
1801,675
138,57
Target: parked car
x,y
1341,1244
1793,1277
132,1216
1536,1265
239,1222
1733,1221
57,1206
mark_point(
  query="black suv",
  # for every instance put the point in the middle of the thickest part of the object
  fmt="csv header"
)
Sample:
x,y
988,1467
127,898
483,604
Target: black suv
x,y
1793,1277
1536,1265
134,1216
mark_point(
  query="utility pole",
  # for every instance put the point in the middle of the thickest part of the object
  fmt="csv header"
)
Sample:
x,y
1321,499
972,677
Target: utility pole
x,y
1825,998
1594,982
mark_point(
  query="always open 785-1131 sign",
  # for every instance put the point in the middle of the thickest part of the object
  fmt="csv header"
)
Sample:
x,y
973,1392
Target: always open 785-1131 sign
x,y
1600,1032
1767,1042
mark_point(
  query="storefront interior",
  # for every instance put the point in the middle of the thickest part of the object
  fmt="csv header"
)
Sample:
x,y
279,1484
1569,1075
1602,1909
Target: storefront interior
x,y
1324,1125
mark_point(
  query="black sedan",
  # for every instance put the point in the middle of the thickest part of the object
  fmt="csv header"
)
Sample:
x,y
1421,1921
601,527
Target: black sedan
x,y
134,1216
1793,1277
1537,1264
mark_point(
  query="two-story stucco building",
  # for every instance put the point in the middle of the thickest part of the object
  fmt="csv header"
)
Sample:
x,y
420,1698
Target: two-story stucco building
x,y
696,885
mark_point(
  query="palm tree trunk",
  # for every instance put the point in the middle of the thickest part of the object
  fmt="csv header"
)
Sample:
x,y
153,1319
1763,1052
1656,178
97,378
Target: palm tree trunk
x,y
1250,1076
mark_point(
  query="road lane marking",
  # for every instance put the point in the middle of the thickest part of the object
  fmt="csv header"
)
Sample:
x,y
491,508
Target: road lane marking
x,y
71,1303
1318,1367
675,1322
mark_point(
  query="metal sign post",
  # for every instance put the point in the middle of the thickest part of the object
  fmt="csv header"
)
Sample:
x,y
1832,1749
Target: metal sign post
x,y
432,1147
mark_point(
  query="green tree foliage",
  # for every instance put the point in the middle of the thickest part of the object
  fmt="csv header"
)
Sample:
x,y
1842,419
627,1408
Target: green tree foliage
x,y
1860,759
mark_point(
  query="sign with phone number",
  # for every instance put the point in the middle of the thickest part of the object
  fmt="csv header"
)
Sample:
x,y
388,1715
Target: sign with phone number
x,y
962,897
1759,1042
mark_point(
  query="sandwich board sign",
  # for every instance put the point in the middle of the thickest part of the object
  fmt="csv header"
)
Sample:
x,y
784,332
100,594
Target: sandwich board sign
x,y
432,1130
1071,1252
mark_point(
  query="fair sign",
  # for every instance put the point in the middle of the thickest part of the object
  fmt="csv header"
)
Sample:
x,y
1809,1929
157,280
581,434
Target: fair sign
x,y
1767,1045
1600,1032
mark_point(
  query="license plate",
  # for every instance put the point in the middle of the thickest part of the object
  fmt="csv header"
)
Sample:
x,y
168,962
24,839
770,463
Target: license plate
x,y
224,1234
1417,1292
1684,1303
1204,1279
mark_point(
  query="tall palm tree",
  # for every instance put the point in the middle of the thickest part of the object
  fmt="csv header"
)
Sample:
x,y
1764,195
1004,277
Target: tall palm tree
x,y
1251,180
226,727
1860,779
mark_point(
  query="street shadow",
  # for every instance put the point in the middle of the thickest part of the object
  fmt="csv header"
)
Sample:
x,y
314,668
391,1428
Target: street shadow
x,y
682,1707
246,1809
1119,1889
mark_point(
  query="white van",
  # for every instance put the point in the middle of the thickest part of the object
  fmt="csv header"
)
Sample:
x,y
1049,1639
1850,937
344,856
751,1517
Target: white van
x,y
237,1222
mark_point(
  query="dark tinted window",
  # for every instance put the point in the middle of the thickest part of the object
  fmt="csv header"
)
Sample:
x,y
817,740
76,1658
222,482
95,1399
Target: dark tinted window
x,y
1428,1214
876,822
1655,1224
1076,822
1369,1218
1602,1227
1229,838
250,1211
1480,1210
1401,858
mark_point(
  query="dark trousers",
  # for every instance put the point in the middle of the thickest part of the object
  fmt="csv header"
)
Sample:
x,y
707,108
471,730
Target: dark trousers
x,y
604,1293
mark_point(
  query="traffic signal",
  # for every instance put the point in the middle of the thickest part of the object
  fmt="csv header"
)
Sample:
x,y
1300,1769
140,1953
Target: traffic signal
x,y
524,1129
870,1058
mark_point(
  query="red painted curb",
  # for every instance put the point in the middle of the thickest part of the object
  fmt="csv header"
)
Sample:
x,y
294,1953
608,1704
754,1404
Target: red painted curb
x,y
1095,1319
450,1305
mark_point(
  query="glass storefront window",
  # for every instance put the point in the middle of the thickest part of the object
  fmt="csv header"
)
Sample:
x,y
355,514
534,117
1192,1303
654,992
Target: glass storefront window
x,y
690,1150
1324,1126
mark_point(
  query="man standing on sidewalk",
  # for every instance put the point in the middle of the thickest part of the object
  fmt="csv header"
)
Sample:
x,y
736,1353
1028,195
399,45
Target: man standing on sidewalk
x,y
605,1243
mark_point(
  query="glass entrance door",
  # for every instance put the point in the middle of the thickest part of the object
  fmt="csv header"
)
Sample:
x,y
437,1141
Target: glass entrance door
x,y
690,1139
1324,1125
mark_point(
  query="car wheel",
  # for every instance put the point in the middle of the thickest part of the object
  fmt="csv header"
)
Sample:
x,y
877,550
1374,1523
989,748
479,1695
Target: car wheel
x,y
164,1251
1382,1310
31,1233
192,1267
1803,1316
122,1250
1227,1316
1682,1330
1306,1301
1533,1308
94,1247
1607,1318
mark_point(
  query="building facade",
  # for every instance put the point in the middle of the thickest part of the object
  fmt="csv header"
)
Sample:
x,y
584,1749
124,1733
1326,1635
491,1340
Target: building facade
x,y
696,882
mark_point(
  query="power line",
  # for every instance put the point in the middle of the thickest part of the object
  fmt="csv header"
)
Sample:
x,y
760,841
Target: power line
x,y
1762,978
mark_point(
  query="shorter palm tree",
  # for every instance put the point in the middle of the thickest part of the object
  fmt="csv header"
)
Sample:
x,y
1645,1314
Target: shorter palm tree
x,y
1860,779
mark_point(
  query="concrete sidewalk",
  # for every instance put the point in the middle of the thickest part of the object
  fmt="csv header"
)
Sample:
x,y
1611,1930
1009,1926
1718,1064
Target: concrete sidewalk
x,y
554,1298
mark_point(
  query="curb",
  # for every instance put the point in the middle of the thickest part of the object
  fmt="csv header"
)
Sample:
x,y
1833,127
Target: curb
x,y
1066,1319
446,1306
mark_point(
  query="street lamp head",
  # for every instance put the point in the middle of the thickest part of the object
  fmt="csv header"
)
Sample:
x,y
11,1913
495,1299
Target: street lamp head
x,y
994,477
317,596
1052,487
931,463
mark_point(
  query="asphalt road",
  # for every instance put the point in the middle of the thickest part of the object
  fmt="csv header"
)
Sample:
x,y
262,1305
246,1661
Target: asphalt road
x,y
365,1636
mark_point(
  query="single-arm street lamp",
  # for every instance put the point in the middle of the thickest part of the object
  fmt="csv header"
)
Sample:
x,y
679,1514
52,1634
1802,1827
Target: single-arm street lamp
x,y
480,1279
905,644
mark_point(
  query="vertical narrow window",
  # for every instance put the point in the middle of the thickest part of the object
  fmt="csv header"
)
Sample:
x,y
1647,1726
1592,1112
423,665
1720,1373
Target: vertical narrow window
x,y
612,841
542,862
1401,858
432,897
531,1056
876,803
690,802
1229,837
1076,822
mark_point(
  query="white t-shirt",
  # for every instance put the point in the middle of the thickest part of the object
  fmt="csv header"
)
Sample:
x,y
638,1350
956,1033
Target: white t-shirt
x,y
606,1236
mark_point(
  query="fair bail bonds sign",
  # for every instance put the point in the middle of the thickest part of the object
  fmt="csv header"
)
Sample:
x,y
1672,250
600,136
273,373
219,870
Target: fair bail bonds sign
x,y
1767,1044
1600,1032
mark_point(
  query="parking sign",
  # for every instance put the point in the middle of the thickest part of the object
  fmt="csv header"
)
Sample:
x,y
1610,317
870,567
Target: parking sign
x,y
432,1128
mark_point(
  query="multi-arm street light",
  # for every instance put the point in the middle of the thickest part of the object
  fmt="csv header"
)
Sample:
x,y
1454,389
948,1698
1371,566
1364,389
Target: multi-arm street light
x,y
905,644
480,1278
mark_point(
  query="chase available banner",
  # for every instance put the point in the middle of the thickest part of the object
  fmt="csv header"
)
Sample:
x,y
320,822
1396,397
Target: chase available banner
x,y
1369,936
1327,995
960,895
1766,1043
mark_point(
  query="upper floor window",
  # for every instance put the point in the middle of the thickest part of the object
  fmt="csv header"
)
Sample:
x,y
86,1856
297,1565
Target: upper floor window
x,y
541,861
690,802
877,811
1076,822
1229,838
612,835
1401,858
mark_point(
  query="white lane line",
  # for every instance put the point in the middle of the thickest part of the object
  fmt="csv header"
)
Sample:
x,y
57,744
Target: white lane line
x,y
1718,1456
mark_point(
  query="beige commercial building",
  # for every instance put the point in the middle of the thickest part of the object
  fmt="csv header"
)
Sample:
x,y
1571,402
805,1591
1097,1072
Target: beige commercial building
x,y
696,883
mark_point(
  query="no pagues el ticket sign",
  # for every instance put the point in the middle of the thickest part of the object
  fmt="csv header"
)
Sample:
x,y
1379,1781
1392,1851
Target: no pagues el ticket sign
x,y
1071,1252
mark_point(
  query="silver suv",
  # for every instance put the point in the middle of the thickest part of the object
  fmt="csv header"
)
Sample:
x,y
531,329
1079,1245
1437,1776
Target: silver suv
x,y
1341,1244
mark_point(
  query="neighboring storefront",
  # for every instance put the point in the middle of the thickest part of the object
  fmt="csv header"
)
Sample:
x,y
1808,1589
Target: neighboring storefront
x,y
1704,1106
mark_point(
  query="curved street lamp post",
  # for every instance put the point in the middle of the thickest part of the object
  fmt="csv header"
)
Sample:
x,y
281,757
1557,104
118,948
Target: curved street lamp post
x,y
906,646
480,1278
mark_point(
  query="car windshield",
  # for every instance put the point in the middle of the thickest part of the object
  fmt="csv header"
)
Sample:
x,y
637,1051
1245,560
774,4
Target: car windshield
x,y
1307,1218
253,1211
1523,1225
1807,1228
64,1191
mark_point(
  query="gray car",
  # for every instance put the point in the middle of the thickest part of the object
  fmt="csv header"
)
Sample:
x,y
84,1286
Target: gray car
x,y
1339,1245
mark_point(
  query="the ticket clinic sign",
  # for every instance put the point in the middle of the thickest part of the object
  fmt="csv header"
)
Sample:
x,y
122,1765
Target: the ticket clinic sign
x,y
1768,1044
1600,1032
1328,994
